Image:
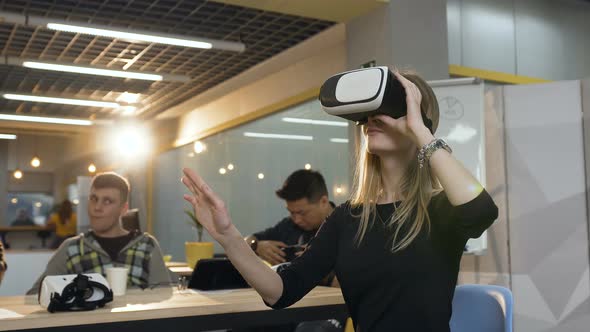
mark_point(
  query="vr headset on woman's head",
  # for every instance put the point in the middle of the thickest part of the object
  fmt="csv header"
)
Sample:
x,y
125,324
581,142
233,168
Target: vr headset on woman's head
x,y
355,95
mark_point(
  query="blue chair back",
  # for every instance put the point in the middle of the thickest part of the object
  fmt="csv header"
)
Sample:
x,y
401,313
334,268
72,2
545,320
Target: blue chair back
x,y
482,308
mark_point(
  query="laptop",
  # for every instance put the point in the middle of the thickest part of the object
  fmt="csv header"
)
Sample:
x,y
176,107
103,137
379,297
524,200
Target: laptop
x,y
215,274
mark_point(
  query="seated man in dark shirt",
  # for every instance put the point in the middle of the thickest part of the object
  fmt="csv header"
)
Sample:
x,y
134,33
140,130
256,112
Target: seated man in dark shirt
x,y
108,243
22,219
307,201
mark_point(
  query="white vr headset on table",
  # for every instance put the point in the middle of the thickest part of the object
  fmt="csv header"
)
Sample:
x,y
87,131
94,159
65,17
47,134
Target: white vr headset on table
x,y
355,95
74,292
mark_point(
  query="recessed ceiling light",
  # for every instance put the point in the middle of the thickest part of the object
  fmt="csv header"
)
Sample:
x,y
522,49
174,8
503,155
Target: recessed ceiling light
x,y
279,136
92,71
316,122
339,140
7,136
65,101
40,119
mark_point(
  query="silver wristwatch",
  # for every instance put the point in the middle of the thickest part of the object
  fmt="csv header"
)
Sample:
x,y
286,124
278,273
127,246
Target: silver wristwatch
x,y
428,149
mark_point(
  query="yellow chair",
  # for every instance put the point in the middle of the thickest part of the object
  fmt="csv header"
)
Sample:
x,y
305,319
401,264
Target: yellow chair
x,y
349,327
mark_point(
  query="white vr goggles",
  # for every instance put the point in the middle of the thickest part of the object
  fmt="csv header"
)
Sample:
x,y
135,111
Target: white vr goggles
x,y
74,292
356,94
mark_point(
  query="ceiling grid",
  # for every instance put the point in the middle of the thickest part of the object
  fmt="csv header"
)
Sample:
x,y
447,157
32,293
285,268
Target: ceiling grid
x,y
264,33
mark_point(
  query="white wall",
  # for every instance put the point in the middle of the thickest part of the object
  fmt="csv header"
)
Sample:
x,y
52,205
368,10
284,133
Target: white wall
x,y
405,33
536,38
548,220
23,269
48,148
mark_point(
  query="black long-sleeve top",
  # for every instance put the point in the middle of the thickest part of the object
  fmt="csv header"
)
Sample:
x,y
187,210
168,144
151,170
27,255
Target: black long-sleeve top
x,y
409,290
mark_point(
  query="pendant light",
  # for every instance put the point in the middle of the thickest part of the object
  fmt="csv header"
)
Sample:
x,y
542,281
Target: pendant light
x,y
36,161
17,174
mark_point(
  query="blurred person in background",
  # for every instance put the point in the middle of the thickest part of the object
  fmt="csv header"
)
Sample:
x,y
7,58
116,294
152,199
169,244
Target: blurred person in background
x,y
64,222
22,219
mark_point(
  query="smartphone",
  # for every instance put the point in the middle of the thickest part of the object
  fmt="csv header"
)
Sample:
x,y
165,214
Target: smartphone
x,y
290,251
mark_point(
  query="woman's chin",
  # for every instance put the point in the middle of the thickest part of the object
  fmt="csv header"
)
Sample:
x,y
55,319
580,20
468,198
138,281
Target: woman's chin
x,y
381,150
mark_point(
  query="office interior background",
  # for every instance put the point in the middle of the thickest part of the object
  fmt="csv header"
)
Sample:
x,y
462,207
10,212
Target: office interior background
x,y
213,110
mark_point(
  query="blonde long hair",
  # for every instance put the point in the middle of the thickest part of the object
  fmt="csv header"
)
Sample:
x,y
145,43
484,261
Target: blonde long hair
x,y
417,184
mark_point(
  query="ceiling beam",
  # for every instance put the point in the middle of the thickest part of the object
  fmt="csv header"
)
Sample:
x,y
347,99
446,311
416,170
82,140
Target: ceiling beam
x,y
329,10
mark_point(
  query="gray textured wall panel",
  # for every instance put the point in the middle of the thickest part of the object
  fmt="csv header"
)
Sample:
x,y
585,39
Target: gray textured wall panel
x,y
547,206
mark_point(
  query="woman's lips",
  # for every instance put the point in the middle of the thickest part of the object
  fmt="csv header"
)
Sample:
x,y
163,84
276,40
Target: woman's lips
x,y
373,131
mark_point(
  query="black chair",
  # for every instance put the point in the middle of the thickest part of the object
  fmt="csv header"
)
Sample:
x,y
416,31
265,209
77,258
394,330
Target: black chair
x,y
216,273
130,220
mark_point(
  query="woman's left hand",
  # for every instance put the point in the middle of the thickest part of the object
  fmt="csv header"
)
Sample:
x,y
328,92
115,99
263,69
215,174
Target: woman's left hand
x,y
413,126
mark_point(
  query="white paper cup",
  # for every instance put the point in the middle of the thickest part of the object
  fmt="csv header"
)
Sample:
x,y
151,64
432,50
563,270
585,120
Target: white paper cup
x,y
117,278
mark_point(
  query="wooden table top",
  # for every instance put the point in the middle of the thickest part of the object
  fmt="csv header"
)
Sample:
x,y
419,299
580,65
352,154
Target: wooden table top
x,y
157,303
24,228
176,264
184,271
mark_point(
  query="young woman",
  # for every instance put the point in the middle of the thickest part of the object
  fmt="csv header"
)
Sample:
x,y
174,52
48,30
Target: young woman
x,y
65,222
396,245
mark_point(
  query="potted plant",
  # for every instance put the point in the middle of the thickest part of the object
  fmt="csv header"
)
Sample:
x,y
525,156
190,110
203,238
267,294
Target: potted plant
x,y
196,250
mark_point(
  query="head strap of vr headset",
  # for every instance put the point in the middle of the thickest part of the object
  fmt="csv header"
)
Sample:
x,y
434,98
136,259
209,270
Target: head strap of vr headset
x,y
74,295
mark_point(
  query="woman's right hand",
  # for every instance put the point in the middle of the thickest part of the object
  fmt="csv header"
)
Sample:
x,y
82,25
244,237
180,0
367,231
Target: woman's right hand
x,y
209,209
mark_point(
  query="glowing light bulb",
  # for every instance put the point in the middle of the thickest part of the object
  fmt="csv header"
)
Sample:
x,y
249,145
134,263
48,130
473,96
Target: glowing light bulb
x,y
199,147
35,162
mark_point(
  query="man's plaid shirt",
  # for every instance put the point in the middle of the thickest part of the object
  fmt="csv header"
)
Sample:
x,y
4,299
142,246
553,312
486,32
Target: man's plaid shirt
x,y
86,256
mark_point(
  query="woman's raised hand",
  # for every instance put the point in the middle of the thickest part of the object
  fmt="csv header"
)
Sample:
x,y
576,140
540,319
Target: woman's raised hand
x,y
413,126
209,209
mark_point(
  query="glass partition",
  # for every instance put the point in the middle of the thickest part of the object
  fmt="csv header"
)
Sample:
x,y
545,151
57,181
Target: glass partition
x,y
245,165
28,209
